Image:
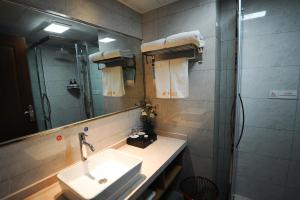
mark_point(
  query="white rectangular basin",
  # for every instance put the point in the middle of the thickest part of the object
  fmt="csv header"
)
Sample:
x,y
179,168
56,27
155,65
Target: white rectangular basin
x,y
101,176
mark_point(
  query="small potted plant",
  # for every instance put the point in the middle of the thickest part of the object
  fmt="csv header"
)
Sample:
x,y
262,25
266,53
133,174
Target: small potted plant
x,y
148,115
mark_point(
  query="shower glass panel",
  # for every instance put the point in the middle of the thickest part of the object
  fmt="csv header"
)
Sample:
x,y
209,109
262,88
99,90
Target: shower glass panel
x,y
267,156
60,81
41,103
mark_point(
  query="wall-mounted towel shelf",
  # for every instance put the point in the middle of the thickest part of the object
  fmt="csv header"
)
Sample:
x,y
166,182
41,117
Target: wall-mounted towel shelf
x,y
191,51
125,62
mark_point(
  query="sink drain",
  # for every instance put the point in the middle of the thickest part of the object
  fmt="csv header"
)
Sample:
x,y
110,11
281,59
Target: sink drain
x,y
102,180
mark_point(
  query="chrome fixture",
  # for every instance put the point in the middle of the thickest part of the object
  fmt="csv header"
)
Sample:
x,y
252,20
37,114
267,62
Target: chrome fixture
x,y
83,143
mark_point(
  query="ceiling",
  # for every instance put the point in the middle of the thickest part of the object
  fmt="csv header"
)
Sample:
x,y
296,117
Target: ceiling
x,y
24,22
143,6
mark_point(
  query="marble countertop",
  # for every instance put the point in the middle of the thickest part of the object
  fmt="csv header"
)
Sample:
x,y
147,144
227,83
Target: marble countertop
x,y
156,157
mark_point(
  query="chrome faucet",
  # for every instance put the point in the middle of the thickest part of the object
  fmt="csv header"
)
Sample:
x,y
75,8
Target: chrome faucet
x,y
83,143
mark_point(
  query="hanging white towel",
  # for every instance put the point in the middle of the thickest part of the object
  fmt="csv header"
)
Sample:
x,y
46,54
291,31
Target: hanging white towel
x,y
179,78
112,81
162,79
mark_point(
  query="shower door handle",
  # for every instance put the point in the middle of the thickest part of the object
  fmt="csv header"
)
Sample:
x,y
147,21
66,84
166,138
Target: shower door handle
x,y
243,122
48,115
30,113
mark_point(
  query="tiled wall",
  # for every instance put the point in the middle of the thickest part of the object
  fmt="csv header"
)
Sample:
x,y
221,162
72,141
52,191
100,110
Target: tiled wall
x,y
194,116
269,158
28,161
106,13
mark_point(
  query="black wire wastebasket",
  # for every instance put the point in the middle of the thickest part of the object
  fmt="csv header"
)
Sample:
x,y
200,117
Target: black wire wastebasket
x,y
199,188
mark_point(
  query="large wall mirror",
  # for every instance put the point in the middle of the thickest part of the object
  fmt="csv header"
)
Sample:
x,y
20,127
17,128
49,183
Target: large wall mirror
x,y
49,77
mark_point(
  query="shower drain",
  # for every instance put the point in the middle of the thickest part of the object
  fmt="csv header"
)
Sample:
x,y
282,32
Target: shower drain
x,y
102,180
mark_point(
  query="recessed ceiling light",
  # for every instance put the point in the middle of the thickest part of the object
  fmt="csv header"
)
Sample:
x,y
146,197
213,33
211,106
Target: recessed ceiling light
x,y
254,15
57,28
107,40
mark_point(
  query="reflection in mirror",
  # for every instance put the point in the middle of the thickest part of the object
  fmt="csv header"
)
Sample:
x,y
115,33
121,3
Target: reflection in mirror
x,y
47,78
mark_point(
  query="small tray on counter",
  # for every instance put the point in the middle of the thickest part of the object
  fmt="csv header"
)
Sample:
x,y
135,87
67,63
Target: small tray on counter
x,y
141,142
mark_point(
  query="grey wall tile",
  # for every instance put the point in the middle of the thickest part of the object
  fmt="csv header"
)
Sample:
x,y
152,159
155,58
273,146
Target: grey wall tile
x,y
295,156
267,53
257,83
291,193
258,190
181,6
228,22
297,124
177,22
262,141
61,116
293,180
59,73
280,17
55,88
270,113
254,167
201,85
201,143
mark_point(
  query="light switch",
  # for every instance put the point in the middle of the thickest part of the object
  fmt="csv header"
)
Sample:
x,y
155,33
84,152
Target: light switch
x,y
283,94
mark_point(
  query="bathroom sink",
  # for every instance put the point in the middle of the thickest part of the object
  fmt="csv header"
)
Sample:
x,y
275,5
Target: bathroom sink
x,y
102,176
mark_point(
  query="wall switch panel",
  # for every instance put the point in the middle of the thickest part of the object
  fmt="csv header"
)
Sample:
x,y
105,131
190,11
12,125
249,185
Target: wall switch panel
x,y
283,94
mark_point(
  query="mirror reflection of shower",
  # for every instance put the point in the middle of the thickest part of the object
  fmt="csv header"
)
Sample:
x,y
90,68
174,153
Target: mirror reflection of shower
x,y
83,73
60,81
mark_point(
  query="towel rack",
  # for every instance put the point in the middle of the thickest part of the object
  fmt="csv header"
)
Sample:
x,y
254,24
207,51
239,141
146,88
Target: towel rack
x,y
191,51
125,62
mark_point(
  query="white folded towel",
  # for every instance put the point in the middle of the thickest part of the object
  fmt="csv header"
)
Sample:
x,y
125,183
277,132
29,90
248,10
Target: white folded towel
x,y
117,53
179,76
192,37
96,56
154,45
112,81
162,79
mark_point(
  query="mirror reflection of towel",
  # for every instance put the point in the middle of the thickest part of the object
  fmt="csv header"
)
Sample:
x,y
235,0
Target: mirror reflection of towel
x,y
113,82
130,76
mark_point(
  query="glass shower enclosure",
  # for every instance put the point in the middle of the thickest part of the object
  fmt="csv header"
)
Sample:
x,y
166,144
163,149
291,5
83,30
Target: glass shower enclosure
x,y
266,143
59,71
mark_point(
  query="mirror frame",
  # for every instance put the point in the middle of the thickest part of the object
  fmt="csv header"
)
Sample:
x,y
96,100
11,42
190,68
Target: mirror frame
x,y
53,130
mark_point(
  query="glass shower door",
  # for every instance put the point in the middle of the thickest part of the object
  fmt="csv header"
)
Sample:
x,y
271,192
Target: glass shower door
x,y
40,98
267,156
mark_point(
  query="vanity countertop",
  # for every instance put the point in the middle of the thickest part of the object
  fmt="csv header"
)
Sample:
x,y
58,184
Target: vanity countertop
x,y
156,157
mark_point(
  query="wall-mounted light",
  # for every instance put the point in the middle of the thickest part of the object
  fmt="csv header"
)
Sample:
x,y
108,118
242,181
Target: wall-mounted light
x,y
107,40
254,15
57,28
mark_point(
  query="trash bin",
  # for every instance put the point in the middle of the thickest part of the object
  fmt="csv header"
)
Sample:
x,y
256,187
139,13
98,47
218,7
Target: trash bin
x,y
199,188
